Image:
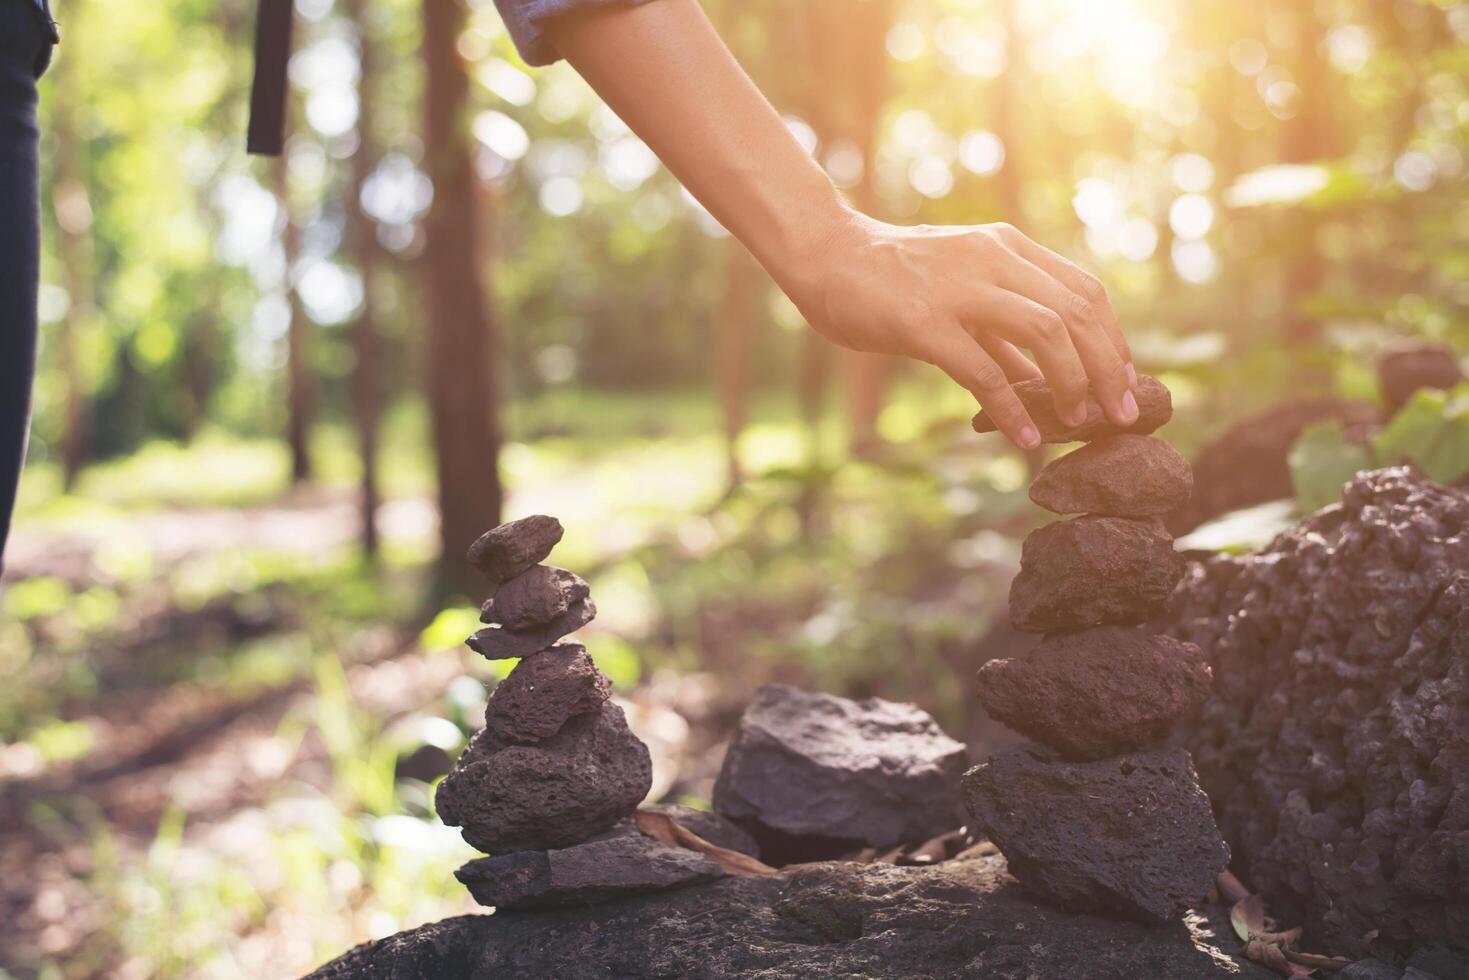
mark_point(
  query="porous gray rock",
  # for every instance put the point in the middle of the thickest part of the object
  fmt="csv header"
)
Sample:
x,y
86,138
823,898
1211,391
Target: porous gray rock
x,y
535,597
556,793
618,864
543,692
1099,692
1335,746
1154,404
503,552
1090,571
499,643
839,773
1130,835
710,826
954,920
1116,476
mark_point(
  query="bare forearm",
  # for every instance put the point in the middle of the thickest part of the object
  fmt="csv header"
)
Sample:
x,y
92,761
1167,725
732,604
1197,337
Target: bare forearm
x,y
666,73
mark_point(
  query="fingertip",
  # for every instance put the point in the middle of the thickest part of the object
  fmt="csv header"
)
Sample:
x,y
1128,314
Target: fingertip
x,y
1076,416
1129,408
1029,438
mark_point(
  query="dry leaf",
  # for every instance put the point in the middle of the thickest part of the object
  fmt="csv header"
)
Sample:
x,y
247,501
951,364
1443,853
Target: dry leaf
x,y
1287,938
983,849
936,848
1248,917
1231,887
666,830
1270,956
863,856
890,856
1313,959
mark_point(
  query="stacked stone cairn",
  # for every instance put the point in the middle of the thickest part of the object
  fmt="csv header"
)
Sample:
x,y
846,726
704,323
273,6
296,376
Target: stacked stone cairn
x,y
1099,816
550,785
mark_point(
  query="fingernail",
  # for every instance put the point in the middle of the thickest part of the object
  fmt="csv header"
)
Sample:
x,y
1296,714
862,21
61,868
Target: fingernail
x,y
1029,438
1131,375
1077,415
1129,408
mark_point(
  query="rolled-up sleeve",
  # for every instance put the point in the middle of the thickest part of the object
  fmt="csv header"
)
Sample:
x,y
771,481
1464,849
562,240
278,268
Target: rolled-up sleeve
x,y
523,18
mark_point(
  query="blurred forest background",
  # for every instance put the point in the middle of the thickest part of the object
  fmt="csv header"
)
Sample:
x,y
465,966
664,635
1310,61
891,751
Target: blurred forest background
x,y
231,621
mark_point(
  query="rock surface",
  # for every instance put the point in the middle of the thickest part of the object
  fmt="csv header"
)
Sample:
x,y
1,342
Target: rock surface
x,y
1403,368
543,692
1117,476
535,597
1154,404
1096,693
1130,835
503,552
1336,750
848,773
960,920
584,874
1093,570
556,793
498,643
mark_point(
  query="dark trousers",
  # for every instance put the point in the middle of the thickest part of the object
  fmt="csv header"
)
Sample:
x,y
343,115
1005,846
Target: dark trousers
x,y
26,38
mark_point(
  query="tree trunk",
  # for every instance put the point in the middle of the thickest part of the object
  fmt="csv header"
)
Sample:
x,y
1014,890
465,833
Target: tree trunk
x,y
462,387
73,212
300,374
362,246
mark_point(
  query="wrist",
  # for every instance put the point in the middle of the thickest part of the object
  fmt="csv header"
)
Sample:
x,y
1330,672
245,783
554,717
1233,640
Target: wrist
x,y
800,246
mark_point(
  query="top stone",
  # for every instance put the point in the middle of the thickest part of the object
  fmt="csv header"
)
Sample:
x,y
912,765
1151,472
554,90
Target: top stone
x,y
1117,476
1154,407
504,552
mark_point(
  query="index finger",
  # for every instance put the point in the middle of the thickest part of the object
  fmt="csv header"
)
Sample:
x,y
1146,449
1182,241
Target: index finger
x,y
961,358
1088,287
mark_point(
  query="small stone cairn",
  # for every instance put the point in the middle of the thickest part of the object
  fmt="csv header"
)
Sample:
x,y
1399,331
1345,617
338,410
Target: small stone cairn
x,y
551,784
1099,816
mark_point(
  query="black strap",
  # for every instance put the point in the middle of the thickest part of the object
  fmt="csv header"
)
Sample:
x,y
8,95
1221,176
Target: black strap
x,y
268,93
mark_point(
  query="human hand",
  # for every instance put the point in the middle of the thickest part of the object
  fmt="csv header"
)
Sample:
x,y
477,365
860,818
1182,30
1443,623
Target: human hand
x,y
968,299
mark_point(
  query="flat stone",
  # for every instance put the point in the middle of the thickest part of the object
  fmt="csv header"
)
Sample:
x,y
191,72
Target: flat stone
x,y
543,692
841,773
710,826
556,793
1132,835
1100,692
1154,407
584,874
1116,476
499,643
535,597
1093,570
503,552
957,919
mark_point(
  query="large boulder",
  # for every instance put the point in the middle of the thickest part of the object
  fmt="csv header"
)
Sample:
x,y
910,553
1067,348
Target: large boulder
x,y
1154,404
543,692
959,919
503,552
838,774
1118,476
1099,692
1093,570
1336,750
1130,835
556,793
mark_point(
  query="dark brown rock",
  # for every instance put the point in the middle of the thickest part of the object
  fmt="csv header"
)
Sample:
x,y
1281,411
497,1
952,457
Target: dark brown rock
x,y
1116,476
1336,747
1100,692
1406,366
966,920
1131,835
1154,408
499,643
615,865
842,773
556,793
535,597
503,552
543,692
1090,571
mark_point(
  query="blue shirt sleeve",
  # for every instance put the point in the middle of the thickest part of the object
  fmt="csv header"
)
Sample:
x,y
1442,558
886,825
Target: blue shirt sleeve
x,y
523,18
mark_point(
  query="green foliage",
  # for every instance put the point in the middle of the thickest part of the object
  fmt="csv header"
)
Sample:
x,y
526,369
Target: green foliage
x,y
1321,463
1431,432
